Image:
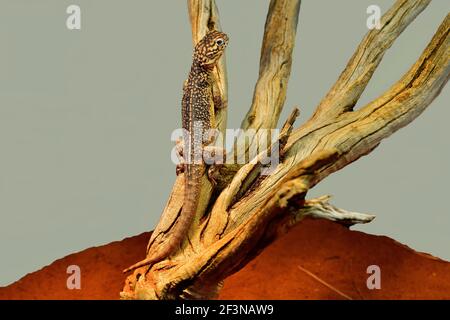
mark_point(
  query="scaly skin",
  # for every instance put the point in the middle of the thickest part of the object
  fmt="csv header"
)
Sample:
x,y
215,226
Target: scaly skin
x,y
197,118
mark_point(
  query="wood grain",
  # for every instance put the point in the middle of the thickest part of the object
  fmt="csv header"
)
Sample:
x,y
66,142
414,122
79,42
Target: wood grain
x,y
250,211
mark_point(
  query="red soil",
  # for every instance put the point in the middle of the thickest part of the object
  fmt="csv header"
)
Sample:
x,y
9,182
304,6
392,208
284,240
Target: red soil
x,y
315,260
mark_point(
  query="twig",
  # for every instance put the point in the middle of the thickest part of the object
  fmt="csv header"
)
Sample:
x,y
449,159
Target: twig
x,y
329,286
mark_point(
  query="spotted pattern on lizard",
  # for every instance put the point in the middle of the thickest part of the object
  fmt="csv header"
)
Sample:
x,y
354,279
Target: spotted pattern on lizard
x,y
197,111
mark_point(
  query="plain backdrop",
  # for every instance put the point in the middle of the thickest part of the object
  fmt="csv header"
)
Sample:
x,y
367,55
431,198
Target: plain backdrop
x,y
86,118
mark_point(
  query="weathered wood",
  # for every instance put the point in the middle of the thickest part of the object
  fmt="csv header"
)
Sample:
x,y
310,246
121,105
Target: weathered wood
x,y
274,66
251,210
204,16
351,83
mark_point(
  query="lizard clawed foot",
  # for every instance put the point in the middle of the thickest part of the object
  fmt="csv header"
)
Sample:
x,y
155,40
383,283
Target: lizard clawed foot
x,y
214,174
218,103
179,169
179,145
139,264
213,155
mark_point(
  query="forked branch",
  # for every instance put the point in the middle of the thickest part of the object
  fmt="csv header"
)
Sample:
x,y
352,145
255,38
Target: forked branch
x,y
251,210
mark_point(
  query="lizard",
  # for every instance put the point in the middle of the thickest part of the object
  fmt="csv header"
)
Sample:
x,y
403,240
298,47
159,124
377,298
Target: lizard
x,y
197,114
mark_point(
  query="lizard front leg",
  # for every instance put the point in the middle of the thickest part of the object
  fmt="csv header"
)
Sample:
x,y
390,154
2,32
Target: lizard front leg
x,y
217,97
214,173
179,146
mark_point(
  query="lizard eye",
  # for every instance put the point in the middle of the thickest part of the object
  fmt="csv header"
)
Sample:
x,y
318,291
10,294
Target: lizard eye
x,y
220,42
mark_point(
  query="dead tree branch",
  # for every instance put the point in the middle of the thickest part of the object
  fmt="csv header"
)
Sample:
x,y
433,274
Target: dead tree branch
x,y
252,210
274,66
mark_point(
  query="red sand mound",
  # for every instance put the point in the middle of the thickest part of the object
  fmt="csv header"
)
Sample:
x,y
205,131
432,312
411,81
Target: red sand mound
x,y
315,260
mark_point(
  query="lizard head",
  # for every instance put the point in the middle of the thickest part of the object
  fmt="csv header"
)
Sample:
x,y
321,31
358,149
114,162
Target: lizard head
x,y
210,48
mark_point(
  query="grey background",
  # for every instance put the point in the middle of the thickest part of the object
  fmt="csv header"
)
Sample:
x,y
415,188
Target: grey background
x,y
86,117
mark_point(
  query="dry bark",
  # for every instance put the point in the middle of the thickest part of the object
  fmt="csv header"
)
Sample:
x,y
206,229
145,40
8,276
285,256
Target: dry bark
x,y
251,210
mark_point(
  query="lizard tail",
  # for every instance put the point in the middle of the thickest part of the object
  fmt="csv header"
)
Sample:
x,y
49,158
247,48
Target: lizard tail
x,y
149,261
181,227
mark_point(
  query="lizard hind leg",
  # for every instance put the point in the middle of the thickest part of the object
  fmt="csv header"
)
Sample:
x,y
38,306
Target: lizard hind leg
x,y
213,156
214,173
